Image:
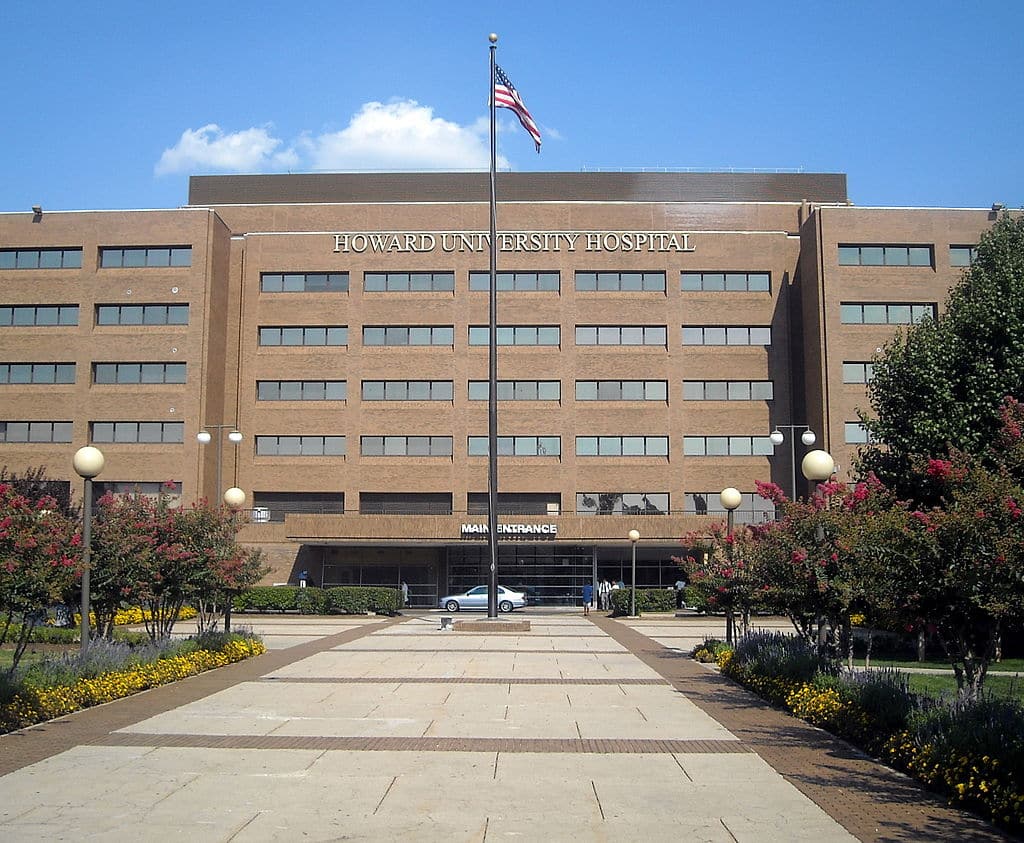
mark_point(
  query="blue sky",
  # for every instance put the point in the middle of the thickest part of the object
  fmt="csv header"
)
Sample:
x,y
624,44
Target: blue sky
x,y
113,104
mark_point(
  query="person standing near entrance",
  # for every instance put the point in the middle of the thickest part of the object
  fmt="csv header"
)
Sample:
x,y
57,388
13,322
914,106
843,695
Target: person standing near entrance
x,y
604,594
680,593
405,594
588,597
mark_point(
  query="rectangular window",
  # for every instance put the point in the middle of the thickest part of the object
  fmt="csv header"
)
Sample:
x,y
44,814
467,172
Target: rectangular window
x,y
622,503
727,446
516,335
543,282
622,446
885,255
518,446
726,335
70,258
621,335
333,335
621,282
856,434
301,390
405,446
300,446
753,509
409,282
517,390
38,315
408,391
621,390
139,256
35,431
141,314
516,503
739,282
304,282
728,390
18,373
137,432
962,255
861,313
134,373
394,335
405,503
856,371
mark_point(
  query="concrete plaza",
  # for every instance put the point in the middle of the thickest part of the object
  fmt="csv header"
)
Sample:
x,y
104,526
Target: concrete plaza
x,y
370,728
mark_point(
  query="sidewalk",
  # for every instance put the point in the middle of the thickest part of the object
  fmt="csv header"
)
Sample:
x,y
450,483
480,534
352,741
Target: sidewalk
x,y
368,729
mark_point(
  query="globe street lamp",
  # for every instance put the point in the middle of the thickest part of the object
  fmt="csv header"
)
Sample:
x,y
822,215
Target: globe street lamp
x,y
88,463
204,438
634,537
730,499
818,465
234,499
777,437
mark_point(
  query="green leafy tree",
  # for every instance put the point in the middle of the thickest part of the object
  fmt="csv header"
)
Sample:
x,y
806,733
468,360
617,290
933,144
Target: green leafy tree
x,y
939,384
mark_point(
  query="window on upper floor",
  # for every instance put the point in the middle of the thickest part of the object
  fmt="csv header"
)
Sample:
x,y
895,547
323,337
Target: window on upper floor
x,y
517,390
622,446
624,282
726,335
141,432
301,390
35,431
409,282
292,335
396,335
862,313
304,282
622,503
139,256
32,373
405,446
38,315
962,255
728,390
753,509
408,391
857,371
622,390
727,446
853,254
621,335
138,372
739,282
516,503
549,335
70,258
142,314
300,446
544,282
272,506
405,503
856,434
517,446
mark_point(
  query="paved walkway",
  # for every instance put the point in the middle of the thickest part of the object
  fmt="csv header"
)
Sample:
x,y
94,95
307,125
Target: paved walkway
x,y
371,729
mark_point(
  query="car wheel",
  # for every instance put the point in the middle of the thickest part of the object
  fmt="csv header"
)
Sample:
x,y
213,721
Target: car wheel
x,y
451,606
504,606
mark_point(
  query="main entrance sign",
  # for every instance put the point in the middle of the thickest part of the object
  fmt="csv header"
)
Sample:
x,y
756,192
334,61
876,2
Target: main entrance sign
x,y
384,242
511,530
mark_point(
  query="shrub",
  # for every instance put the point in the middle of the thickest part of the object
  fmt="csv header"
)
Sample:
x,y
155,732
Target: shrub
x,y
711,650
311,601
777,654
267,598
358,600
647,600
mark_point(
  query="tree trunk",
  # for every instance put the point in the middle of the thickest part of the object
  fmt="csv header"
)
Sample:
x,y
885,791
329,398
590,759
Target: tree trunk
x,y
921,642
867,650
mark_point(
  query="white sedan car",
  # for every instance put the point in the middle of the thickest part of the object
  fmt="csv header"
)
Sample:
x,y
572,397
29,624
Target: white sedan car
x,y
476,598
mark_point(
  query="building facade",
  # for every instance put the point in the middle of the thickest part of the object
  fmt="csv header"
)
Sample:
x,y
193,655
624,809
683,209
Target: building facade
x,y
653,330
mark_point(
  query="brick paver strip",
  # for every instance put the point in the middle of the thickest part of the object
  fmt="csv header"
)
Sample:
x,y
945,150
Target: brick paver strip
x,y
94,725
460,680
871,801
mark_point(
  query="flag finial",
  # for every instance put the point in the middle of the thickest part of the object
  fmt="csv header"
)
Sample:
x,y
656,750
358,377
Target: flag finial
x,y
493,37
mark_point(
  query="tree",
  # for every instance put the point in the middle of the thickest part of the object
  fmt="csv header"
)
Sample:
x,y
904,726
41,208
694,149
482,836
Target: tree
x,y
940,383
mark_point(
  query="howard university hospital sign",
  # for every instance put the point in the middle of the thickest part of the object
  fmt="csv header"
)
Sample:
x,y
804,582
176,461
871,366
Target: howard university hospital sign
x,y
385,242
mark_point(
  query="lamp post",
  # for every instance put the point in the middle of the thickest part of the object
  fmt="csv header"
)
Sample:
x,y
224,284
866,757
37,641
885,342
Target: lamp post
x,y
818,466
88,463
634,537
777,437
204,438
730,499
234,498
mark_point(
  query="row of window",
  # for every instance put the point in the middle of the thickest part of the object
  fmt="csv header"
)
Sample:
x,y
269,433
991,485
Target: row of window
x,y
854,254
106,314
857,313
71,258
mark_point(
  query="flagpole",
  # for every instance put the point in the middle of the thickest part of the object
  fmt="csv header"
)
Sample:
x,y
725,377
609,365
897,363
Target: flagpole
x,y
492,360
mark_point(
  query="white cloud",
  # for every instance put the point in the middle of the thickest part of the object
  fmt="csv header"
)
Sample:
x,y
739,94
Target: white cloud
x,y
208,148
400,135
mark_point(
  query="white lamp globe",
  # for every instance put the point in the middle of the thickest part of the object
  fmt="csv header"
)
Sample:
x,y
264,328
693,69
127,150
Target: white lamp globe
x,y
634,536
235,436
234,498
818,465
88,461
204,437
776,437
808,437
730,498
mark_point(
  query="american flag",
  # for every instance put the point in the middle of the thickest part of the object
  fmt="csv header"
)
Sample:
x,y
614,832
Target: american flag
x,y
506,96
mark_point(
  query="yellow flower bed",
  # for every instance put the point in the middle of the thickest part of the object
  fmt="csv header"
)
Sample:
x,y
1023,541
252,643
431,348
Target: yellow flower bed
x,y
136,615
37,705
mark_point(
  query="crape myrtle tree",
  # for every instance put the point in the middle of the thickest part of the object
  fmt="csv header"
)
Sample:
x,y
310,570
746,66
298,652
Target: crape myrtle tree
x,y
939,384
39,558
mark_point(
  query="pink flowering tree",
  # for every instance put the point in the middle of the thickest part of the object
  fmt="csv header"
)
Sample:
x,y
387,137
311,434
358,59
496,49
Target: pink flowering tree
x,y
39,558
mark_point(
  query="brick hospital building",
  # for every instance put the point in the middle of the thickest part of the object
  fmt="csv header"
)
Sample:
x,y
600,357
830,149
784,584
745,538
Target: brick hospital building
x,y
653,330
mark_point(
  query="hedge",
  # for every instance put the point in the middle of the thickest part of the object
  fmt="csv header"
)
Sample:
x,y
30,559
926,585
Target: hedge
x,y
346,599
647,600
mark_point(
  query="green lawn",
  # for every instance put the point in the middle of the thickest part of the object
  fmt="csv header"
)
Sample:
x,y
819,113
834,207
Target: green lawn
x,y
1005,666
941,684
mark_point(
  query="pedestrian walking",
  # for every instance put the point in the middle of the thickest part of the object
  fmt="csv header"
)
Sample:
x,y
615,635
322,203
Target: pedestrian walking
x,y
588,597
604,595
405,594
680,593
